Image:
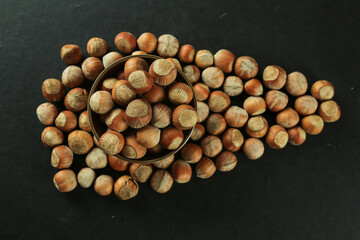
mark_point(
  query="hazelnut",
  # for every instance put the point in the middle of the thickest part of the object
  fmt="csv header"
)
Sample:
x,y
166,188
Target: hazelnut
x,y
253,148
161,116
147,42
115,120
97,47
155,95
192,73
254,105
53,90
46,113
122,93
276,101
125,42
61,157
202,91
211,146
134,64
80,142
66,121
138,113
112,142
213,77
203,111
218,101
257,127
176,62
126,187
312,124
287,118
205,168
204,59
140,172
86,177
297,135
233,86
141,81
191,153
246,67
277,137
274,77
215,124
163,72
171,138
329,111
72,76
148,136
236,116
224,59
184,117
180,93
101,102
296,84
181,171
65,180
110,58
306,105
226,161
186,53
161,181
198,133
155,150
92,67
165,163
76,99
254,87
52,137
232,139
108,84
96,158
138,53
71,54
323,90
104,185
168,46
118,164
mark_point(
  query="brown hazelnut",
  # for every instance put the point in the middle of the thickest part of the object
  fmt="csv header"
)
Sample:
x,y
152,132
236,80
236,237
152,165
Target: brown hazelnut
x,y
76,99
61,157
180,93
204,59
232,139
203,111
104,185
233,86
277,137
101,102
53,90
141,81
205,168
92,67
97,47
329,111
296,84
112,142
108,84
126,187
161,181
181,171
191,153
46,113
213,77
274,77
226,161
138,113
202,91
184,117
118,164
66,121
175,62
140,172
215,124
224,59
72,76
306,105
287,118
134,64
253,148
192,73
297,135
52,137
125,42
96,158
186,53
254,105
323,90
71,54
165,163
147,42
80,142
110,58
198,133
236,116
219,101
161,116
65,180
155,95
122,93
312,124
163,72
254,87
171,138
246,67
115,120
257,127
86,177
211,146
276,101
148,136
168,46
138,53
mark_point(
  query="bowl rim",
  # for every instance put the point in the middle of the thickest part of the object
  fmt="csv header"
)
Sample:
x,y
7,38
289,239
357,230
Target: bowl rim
x,y
95,84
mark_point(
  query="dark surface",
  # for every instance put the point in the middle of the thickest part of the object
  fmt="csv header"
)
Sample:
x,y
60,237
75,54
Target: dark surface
x,y
307,192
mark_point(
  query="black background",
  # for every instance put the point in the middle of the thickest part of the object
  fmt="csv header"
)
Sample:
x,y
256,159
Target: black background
x,y
306,192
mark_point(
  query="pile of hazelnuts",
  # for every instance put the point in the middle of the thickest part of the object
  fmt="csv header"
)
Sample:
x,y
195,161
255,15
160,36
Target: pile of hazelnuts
x,y
146,111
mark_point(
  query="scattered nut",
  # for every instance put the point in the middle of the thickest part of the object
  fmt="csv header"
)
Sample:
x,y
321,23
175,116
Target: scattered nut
x,y
165,163
287,118
171,138
181,171
96,158
219,101
226,161
215,124
65,180
257,127
53,90
297,135
118,164
276,101
224,59
125,187
110,58
253,148
254,105
92,67
104,185
198,133
203,111
246,67
147,42
97,47
140,172
296,84
125,42
191,153
213,77
72,76
232,139
52,137
80,142
277,137
205,168
46,113
233,86
186,53
86,177
306,105
192,73
66,121
161,181
329,111
204,59
202,91
168,46
61,157
312,124
211,146
71,54
274,77
76,99
323,90
254,87
101,102
236,116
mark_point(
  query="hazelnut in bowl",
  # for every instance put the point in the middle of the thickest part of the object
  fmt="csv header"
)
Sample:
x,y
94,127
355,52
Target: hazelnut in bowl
x,y
142,109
